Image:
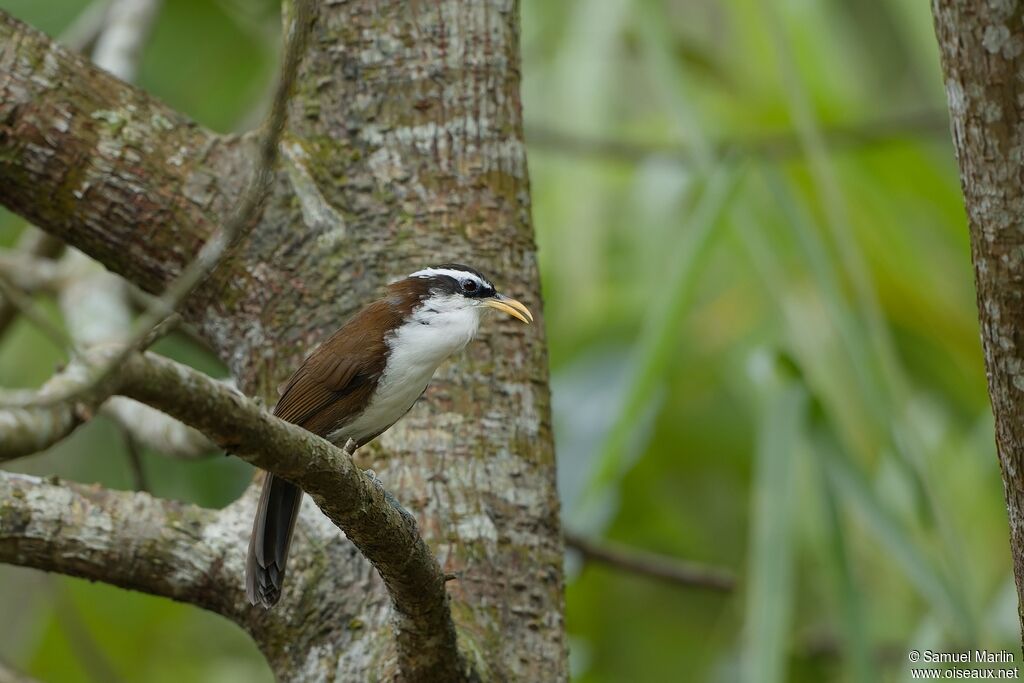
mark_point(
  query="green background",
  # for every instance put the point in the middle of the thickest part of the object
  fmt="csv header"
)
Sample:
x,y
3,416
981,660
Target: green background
x,y
763,334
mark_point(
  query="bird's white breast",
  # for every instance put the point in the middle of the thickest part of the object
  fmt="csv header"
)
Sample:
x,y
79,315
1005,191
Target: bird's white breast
x,y
433,333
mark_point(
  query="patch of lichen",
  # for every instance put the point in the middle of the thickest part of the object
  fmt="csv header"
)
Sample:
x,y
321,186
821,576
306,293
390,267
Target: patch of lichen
x,y
480,636
14,516
64,204
329,161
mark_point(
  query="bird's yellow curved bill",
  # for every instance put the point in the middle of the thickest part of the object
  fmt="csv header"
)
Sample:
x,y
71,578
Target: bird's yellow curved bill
x,y
512,307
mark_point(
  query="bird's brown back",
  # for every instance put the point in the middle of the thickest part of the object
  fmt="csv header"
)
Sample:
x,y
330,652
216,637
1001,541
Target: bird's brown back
x,y
335,382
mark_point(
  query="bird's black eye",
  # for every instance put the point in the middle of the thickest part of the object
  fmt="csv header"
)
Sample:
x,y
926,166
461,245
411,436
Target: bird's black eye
x,y
468,286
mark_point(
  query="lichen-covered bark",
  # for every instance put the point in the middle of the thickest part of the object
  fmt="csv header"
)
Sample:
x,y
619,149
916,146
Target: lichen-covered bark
x,y
404,148
384,532
410,126
102,164
177,551
136,541
982,46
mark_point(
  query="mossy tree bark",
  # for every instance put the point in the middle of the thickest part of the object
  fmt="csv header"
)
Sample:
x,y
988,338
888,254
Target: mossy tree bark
x,y
404,148
982,47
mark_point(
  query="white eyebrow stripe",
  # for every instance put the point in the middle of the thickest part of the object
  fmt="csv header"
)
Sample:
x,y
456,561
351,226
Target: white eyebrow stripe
x,y
457,274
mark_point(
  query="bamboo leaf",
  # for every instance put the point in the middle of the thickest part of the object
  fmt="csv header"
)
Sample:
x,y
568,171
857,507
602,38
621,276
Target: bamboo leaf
x,y
851,617
770,598
655,349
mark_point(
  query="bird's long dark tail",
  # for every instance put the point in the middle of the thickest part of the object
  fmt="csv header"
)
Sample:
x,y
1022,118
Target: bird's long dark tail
x,y
271,536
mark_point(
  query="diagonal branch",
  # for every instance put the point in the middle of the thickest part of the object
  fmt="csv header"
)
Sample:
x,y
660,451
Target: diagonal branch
x,y
93,300
669,569
105,166
371,518
375,523
243,218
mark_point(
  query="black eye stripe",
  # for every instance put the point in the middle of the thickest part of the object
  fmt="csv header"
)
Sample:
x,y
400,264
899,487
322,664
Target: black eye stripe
x,y
457,283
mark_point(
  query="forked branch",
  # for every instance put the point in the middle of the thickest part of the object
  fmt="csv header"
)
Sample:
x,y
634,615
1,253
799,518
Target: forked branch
x,y
386,534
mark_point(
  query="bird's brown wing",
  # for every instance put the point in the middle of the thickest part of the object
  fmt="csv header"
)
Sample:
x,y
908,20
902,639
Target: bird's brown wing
x,y
330,388
336,381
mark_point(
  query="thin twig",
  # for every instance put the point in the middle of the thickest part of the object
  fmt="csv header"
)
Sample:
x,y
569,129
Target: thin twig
x,y
670,569
140,300
33,243
24,305
776,147
238,225
134,453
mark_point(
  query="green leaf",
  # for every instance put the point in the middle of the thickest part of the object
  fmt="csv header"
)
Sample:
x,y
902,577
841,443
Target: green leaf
x,y
769,607
926,577
849,595
658,343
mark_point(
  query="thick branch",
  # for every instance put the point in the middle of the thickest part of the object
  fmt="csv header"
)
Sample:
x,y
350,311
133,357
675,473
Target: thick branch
x,y
131,540
94,301
102,165
384,532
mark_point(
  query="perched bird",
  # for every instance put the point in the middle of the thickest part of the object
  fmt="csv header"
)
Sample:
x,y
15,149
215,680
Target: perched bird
x,y
360,381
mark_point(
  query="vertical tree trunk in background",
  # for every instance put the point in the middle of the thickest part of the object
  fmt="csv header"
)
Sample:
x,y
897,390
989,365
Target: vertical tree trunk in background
x,y
404,148
982,47
406,126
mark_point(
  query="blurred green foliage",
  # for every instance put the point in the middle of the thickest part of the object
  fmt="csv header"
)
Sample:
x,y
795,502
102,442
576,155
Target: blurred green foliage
x,y
763,342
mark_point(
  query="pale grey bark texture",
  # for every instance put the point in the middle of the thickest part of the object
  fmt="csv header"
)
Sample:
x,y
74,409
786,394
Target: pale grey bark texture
x,y
126,539
404,148
982,47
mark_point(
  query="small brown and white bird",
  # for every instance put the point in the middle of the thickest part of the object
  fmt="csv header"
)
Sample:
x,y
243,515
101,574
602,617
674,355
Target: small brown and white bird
x,y
362,380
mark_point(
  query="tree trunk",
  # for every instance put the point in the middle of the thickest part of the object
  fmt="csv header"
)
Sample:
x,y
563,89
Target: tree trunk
x,y
404,149
982,47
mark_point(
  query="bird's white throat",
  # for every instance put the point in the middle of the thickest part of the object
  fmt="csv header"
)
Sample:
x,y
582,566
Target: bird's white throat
x,y
437,329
